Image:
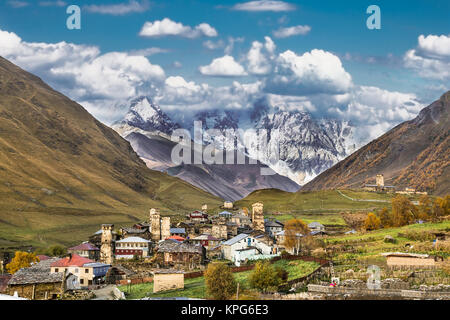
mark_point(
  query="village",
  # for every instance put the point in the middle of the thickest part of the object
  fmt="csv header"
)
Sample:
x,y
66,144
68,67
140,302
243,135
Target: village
x,y
170,256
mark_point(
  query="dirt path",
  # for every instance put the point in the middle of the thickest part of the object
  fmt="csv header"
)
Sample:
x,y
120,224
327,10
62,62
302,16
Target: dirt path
x,y
105,293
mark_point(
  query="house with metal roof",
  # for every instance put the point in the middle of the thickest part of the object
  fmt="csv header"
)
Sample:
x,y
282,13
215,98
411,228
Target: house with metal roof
x,y
272,227
181,232
131,247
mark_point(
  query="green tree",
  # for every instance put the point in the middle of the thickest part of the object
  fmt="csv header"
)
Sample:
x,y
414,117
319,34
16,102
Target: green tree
x,y
56,251
219,280
264,277
372,222
21,260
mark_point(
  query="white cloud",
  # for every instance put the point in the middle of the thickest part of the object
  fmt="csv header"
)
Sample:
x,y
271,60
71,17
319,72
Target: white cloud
x,y
148,51
291,31
264,5
18,4
431,58
211,45
225,66
177,64
313,72
259,62
167,27
82,72
434,46
131,6
58,3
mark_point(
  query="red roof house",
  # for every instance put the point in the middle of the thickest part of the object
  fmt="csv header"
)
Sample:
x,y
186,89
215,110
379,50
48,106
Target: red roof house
x,y
73,260
178,238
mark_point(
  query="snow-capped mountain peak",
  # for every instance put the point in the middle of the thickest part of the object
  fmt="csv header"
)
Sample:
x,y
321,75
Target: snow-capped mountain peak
x,y
146,115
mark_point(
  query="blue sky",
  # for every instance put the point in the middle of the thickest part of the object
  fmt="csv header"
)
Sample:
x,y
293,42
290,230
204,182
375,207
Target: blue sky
x,y
373,58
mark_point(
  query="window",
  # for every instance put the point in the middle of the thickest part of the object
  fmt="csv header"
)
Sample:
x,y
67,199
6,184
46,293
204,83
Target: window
x,y
81,281
56,269
76,270
86,270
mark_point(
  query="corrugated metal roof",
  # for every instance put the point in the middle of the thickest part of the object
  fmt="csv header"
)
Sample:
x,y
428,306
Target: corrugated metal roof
x,y
177,230
133,239
238,238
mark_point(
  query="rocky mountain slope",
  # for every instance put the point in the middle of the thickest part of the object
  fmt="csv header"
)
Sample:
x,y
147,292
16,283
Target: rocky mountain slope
x,y
63,173
414,154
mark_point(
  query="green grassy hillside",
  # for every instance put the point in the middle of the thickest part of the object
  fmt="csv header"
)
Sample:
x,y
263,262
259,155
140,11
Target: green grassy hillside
x,y
63,173
322,206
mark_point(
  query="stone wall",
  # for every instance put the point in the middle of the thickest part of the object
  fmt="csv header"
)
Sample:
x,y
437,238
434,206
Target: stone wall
x,y
39,291
386,293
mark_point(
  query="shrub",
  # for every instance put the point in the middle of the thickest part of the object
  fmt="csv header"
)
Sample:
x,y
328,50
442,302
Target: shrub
x,y
264,277
220,283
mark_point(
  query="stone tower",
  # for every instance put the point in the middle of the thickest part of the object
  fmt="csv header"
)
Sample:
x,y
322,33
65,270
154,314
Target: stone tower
x,y
258,216
160,226
106,249
155,224
380,180
165,228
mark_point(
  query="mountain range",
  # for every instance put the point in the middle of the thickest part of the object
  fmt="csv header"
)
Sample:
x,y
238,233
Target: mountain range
x,y
307,146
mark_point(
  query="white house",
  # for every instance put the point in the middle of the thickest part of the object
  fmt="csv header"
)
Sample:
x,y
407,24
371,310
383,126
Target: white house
x,y
242,242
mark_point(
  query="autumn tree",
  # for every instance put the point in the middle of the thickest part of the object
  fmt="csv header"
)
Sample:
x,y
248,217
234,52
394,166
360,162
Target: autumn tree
x,y
372,222
385,218
219,280
425,208
21,260
294,230
265,277
441,207
403,211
